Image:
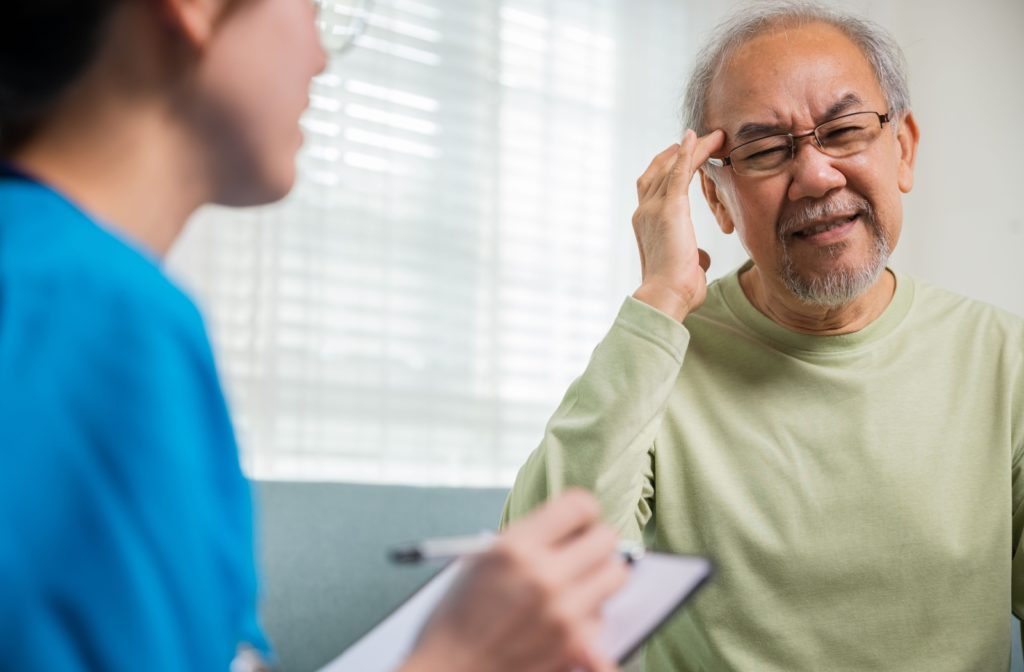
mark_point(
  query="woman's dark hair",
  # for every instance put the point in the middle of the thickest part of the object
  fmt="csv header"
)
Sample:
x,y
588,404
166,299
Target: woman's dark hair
x,y
44,46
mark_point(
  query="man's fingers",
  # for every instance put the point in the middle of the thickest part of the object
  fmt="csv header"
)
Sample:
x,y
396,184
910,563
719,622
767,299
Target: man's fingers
x,y
691,155
704,259
561,517
656,171
705,147
677,163
678,181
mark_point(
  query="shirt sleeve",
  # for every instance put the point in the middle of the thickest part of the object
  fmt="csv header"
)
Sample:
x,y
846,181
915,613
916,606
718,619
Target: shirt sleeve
x,y
601,437
125,521
1017,505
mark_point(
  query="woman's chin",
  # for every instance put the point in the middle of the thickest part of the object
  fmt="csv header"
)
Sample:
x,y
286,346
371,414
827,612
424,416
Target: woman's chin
x,y
263,189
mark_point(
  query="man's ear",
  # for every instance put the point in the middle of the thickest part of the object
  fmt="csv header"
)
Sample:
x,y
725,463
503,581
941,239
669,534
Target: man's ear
x,y
907,136
711,195
194,20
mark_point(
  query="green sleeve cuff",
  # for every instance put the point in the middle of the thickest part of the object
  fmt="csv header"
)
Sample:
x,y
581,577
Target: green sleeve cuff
x,y
650,324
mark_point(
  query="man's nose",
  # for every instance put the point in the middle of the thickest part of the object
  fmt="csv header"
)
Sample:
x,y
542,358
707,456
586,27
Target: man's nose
x,y
814,173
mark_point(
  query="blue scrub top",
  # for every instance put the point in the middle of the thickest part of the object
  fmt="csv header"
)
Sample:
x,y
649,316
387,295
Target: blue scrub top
x,y
126,536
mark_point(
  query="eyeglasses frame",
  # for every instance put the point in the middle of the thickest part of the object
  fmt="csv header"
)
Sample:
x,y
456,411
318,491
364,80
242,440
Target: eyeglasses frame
x,y
362,9
726,160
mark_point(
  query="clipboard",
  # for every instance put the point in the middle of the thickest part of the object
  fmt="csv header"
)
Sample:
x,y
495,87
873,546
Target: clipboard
x,y
658,585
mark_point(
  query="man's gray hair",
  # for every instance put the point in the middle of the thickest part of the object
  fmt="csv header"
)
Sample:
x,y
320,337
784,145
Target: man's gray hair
x,y
881,50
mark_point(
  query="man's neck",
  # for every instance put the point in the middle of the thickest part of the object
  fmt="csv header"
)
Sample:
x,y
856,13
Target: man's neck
x,y
785,309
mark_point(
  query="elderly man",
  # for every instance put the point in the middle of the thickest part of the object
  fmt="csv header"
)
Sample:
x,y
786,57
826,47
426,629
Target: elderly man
x,y
844,440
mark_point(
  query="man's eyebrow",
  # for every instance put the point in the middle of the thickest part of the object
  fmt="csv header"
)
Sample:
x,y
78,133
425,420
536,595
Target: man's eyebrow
x,y
841,106
753,130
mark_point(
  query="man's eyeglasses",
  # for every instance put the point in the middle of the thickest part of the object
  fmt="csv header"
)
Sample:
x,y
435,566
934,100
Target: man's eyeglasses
x,y
838,138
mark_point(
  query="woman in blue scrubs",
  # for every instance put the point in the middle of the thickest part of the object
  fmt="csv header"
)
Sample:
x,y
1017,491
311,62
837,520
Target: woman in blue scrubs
x,y
126,536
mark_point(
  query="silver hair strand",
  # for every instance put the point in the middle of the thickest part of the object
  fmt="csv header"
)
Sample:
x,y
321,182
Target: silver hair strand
x,y
879,47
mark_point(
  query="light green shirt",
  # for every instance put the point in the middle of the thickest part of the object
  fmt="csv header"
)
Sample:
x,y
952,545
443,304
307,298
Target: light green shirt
x,y
860,494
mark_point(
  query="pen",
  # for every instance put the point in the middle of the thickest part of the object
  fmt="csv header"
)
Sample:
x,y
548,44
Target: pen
x,y
449,548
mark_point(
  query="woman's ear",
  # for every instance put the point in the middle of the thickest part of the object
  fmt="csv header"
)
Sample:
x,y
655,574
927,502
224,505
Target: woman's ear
x,y
194,20
713,197
907,136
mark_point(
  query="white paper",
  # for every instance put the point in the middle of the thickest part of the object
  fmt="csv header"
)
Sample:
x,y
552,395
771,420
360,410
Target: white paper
x,y
658,583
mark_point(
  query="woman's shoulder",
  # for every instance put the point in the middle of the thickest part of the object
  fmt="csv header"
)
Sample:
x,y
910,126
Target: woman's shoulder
x,y
57,259
90,324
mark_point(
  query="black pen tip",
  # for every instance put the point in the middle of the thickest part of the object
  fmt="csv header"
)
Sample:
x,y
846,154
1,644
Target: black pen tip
x,y
404,556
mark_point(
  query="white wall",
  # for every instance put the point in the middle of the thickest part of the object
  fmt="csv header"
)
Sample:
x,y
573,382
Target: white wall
x,y
964,225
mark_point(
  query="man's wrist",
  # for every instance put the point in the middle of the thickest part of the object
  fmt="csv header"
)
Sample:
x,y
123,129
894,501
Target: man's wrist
x,y
664,299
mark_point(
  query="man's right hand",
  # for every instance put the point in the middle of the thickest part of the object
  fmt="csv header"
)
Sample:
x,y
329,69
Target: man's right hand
x,y
532,603
671,264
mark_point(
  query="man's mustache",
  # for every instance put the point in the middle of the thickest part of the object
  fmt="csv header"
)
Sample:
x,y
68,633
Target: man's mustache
x,y
804,214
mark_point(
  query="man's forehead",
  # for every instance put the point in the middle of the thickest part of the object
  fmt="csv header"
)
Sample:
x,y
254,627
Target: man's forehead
x,y
791,76
751,130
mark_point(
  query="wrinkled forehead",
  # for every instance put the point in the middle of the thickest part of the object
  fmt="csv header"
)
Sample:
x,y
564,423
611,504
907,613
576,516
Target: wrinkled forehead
x,y
792,77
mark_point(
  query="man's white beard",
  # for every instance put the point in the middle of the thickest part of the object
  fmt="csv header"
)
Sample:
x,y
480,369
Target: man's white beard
x,y
842,285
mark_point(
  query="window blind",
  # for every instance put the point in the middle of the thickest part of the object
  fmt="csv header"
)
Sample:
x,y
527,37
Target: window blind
x,y
457,243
